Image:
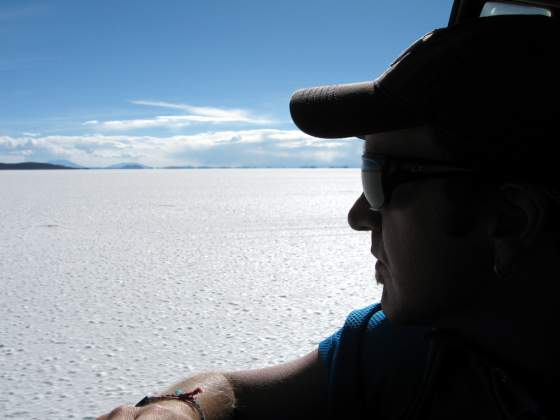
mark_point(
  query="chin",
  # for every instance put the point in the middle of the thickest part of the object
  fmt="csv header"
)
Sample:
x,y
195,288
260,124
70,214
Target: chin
x,y
403,313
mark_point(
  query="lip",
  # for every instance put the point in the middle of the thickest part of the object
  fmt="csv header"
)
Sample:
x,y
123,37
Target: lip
x,y
379,260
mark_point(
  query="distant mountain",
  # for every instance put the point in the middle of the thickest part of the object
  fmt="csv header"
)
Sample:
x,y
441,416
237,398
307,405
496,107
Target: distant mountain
x,y
194,167
31,165
67,163
127,165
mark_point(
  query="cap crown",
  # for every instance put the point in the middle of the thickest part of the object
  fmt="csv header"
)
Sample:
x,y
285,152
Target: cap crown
x,y
484,74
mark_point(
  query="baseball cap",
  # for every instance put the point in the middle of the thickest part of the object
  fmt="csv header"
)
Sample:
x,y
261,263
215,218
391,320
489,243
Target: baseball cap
x,y
497,76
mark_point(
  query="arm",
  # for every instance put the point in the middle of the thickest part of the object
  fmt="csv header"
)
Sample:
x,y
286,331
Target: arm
x,y
294,390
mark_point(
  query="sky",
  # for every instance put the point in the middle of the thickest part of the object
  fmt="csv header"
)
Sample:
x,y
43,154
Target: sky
x,y
187,82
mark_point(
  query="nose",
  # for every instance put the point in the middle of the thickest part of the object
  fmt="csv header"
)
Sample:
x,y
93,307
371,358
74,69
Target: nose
x,y
361,217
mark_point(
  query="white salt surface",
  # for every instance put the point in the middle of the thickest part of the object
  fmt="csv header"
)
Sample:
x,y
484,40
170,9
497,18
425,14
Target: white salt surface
x,y
119,283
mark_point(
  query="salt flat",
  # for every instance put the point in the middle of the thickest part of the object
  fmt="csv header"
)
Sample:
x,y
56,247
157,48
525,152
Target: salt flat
x,y
118,283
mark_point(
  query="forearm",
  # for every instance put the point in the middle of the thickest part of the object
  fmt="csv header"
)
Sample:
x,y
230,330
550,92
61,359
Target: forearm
x,y
217,399
295,390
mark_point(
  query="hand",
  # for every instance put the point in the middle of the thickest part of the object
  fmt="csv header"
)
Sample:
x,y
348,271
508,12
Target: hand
x,y
162,410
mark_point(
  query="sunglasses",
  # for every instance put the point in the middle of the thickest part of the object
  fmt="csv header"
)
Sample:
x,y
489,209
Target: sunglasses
x,y
381,174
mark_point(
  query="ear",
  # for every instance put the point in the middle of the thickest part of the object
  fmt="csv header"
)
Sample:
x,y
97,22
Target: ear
x,y
522,210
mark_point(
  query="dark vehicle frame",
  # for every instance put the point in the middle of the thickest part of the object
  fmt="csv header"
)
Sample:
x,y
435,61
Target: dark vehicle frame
x,y
465,10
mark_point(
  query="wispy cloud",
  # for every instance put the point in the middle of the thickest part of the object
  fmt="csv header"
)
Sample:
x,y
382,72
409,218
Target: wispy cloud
x,y
193,115
237,143
236,148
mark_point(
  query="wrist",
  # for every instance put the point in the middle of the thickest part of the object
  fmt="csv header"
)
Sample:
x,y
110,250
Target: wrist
x,y
180,398
180,408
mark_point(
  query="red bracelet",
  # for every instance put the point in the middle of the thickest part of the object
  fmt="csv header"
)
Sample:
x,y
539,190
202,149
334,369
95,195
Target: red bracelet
x,y
187,398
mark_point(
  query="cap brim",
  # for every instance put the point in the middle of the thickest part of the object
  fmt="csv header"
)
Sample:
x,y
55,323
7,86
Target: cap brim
x,y
347,110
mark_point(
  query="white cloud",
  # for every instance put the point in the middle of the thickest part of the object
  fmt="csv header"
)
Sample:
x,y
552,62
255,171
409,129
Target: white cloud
x,y
229,147
237,114
194,114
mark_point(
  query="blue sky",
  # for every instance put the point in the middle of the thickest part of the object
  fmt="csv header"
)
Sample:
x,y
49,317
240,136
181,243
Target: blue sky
x,y
188,82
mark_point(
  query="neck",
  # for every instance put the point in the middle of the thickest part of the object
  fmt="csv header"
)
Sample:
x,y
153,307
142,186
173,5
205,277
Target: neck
x,y
517,320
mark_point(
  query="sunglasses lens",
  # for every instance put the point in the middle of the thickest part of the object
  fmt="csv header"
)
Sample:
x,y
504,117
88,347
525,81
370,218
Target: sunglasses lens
x,y
371,181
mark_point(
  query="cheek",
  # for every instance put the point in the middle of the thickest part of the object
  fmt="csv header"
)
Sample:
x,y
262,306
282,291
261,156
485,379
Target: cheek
x,y
412,231
461,197
414,254
430,269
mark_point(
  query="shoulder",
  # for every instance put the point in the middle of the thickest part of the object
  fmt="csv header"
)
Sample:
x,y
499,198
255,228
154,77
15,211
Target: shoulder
x,y
371,359
351,334
368,331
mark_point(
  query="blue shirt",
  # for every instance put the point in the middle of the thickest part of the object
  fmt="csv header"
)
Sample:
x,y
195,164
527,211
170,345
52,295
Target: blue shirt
x,y
362,355
381,370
